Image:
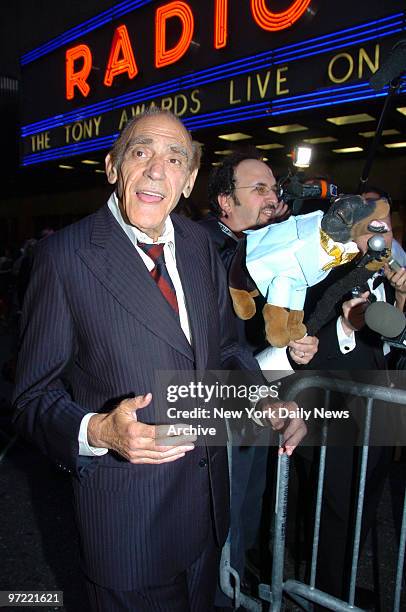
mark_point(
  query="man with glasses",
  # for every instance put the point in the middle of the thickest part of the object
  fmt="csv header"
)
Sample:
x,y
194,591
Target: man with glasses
x,y
243,195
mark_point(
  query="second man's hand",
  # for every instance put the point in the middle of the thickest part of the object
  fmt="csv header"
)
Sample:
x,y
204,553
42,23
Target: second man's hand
x,y
293,429
302,351
119,430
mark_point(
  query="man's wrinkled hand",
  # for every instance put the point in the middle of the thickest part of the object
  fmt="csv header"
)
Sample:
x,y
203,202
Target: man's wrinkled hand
x,y
120,430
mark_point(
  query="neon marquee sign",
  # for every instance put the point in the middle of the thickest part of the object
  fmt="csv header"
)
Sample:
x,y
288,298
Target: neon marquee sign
x,y
122,57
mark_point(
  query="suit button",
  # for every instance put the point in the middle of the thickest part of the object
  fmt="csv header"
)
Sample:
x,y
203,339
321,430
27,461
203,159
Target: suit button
x,y
203,462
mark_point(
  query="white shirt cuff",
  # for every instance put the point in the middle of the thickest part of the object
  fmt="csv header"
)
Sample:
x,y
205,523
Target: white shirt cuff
x,y
274,363
84,447
346,343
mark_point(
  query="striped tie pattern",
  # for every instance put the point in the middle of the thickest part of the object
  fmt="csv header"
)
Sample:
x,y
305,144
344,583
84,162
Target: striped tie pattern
x,y
160,273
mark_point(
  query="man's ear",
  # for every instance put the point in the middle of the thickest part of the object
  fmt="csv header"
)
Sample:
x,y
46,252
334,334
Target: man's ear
x,y
225,203
111,172
187,190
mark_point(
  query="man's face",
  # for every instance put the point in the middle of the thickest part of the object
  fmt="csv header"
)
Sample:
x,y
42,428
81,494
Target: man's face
x,y
246,207
154,173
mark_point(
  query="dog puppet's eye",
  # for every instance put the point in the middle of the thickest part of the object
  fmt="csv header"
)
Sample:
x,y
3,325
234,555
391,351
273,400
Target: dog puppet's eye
x,y
341,216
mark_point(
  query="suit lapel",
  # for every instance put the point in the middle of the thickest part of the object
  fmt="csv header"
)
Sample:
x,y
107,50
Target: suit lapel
x,y
115,262
195,290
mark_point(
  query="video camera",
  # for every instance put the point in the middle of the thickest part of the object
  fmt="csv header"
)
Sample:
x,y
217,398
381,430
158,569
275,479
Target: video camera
x,y
291,188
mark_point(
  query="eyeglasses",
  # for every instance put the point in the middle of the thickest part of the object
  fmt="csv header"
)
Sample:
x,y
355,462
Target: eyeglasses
x,y
262,190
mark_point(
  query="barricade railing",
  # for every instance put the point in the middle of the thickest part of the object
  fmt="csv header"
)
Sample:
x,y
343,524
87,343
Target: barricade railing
x,y
230,581
271,596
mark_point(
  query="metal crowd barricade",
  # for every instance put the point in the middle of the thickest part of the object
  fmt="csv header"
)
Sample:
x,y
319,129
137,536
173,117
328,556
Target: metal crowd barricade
x,y
230,581
271,597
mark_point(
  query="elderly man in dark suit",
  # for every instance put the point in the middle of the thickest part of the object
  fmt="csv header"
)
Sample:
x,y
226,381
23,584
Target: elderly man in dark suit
x,y
112,300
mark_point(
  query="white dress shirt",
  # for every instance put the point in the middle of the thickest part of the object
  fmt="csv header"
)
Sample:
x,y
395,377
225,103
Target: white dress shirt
x,y
135,235
348,343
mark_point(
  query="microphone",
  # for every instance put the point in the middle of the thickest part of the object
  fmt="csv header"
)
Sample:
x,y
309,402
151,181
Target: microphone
x,y
376,250
392,67
387,321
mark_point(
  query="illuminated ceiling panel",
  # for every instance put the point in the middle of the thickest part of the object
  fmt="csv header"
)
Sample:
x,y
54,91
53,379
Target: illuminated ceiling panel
x,y
348,150
269,147
349,119
384,133
320,140
287,129
234,137
395,145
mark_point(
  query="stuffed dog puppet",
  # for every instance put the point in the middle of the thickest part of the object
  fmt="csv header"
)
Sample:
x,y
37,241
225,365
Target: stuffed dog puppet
x,y
283,259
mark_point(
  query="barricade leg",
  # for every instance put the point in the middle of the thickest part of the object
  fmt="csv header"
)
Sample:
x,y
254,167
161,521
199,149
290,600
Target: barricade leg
x,y
360,501
230,580
401,561
281,504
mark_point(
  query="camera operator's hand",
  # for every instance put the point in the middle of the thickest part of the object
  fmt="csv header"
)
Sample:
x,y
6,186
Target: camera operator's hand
x,y
353,317
282,212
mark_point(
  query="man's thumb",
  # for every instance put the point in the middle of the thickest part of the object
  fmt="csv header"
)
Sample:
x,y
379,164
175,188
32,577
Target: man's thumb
x,y
135,403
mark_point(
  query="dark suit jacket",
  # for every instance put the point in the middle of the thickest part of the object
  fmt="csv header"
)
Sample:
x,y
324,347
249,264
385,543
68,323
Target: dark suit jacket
x,y
96,329
367,354
251,332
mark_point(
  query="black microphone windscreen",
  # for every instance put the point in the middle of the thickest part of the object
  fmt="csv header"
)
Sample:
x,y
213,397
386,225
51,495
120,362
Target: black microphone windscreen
x,y
385,319
391,68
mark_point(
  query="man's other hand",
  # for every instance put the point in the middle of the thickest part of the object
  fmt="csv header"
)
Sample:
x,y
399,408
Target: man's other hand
x,y
120,430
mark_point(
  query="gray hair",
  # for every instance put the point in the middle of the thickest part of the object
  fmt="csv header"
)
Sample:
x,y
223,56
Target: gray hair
x,y
119,147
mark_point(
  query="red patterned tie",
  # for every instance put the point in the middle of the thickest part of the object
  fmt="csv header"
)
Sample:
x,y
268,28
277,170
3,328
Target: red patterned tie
x,y
160,273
